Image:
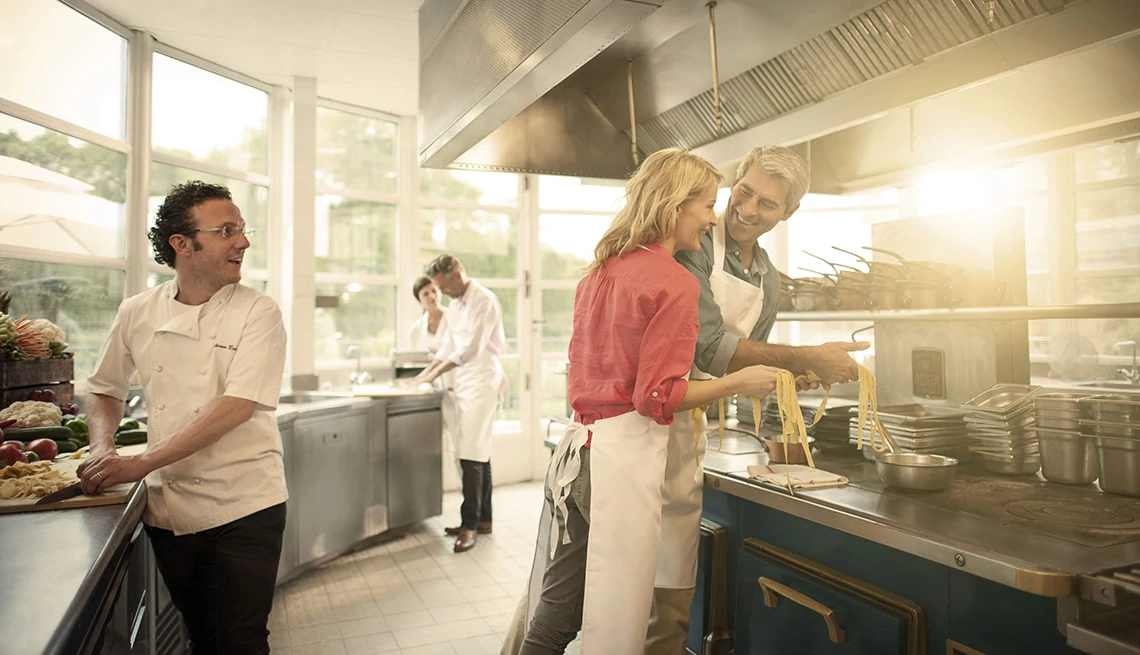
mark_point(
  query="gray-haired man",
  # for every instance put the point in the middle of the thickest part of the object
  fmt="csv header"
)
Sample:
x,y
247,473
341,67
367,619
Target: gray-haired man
x,y
740,294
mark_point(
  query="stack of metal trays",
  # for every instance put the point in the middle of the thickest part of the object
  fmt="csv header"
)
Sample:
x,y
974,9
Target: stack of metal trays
x,y
1113,422
1002,424
922,429
1067,456
831,431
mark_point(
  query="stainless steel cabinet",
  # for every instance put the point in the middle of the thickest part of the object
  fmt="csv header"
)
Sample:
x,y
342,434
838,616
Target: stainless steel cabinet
x,y
289,541
376,509
332,482
415,469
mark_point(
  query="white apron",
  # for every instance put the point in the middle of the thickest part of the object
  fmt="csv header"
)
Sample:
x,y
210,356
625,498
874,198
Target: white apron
x,y
740,304
469,410
627,463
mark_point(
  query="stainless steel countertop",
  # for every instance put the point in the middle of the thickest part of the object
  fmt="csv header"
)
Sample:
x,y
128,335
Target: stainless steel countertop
x,y
52,564
1002,548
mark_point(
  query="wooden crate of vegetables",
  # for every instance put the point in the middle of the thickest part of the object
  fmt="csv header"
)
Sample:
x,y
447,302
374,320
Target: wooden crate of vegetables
x,y
33,360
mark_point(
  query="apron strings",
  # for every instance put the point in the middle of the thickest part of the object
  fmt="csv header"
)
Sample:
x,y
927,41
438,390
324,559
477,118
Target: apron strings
x,y
560,476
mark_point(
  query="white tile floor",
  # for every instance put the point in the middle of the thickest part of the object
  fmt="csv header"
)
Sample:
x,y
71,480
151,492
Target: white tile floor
x,y
414,595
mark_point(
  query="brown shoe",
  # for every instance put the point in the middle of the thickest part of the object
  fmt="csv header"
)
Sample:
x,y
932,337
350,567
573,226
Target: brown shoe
x,y
484,527
465,541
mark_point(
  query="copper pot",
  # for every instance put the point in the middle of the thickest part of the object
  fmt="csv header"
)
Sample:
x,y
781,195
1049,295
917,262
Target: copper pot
x,y
886,296
853,298
923,295
927,271
892,271
807,299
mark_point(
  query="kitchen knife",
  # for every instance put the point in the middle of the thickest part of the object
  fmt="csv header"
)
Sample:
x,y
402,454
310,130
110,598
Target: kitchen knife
x,y
70,491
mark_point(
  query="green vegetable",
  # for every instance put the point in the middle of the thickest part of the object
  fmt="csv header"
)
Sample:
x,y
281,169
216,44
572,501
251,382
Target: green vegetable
x,y
130,437
68,446
78,426
56,433
32,456
128,424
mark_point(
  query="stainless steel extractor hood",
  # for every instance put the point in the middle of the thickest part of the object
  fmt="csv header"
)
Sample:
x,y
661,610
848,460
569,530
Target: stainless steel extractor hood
x,y
555,99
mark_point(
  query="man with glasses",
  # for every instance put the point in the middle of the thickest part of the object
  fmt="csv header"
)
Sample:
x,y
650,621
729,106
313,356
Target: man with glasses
x,y
209,354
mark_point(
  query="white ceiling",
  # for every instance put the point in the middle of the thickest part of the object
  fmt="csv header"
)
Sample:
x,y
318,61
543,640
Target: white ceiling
x,y
364,52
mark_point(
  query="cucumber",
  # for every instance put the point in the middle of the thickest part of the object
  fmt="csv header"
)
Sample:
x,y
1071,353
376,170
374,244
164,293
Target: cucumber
x,y
130,437
68,446
55,433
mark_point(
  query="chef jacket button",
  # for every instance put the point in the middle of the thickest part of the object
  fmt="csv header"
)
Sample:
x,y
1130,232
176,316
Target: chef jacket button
x,y
201,371
213,336
158,369
197,481
161,407
169,482
654,394
197,409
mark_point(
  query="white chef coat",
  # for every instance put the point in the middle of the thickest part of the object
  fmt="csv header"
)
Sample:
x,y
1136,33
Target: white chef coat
x,y
421,339
187,356
474,341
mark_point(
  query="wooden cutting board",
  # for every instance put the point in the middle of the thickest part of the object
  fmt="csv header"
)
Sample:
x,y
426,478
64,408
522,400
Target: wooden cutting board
x,y
116,495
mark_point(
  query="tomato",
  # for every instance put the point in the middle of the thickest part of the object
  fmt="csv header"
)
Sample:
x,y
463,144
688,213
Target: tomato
x,y
44,448
18,444
10,455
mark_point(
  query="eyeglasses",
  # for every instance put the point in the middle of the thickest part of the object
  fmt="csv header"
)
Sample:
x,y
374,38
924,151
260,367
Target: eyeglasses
x,y
227,232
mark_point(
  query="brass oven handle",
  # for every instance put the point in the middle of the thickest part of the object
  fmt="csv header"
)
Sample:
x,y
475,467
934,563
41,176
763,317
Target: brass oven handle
x,y
773,590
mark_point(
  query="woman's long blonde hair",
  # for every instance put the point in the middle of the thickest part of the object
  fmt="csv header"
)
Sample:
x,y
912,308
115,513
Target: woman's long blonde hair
x,y
665,180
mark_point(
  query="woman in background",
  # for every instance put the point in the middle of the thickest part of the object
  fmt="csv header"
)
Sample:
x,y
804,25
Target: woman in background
x,y
427,331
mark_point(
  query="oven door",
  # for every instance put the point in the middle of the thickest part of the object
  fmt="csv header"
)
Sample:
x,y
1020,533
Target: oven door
x,y
788,604
123,627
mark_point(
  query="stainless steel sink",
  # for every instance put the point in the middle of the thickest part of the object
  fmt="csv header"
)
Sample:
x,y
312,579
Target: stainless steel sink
x,y
304,397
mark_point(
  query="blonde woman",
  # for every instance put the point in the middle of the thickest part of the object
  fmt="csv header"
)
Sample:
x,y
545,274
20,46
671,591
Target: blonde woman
x,y
635,331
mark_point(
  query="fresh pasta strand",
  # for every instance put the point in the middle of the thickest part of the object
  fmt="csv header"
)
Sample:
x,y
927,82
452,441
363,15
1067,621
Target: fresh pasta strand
x,y
868,409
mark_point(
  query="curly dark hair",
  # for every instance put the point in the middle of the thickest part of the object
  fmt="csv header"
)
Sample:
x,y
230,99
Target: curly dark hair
x,y
174,216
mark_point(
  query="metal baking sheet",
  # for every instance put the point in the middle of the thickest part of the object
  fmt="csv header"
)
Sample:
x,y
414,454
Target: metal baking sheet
x,y
1003,397
915,413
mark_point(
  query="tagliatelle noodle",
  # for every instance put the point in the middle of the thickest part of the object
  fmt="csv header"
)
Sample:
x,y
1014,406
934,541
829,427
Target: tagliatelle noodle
x,y
869,409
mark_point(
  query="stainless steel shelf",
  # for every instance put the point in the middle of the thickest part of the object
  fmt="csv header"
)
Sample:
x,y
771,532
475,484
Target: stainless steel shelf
x,y
1030,313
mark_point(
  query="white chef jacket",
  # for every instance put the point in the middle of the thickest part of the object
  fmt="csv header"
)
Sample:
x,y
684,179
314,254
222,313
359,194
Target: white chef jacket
x,y
421,339
475,326
232,345
473,341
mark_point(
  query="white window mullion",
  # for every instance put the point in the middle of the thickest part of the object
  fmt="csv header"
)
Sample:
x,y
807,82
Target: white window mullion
x,y
16,110
139,78
407,227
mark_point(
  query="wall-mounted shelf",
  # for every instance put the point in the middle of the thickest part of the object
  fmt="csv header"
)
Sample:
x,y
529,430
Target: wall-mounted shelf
x,y
1029,313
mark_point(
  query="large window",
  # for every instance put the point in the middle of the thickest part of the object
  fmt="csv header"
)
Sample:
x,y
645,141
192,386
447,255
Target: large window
x,y
573,215
208,127
54,60
206,117
63,171
60,193
356,237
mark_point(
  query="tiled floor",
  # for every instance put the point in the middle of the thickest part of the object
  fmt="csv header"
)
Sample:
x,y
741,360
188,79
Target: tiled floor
x,y
414,595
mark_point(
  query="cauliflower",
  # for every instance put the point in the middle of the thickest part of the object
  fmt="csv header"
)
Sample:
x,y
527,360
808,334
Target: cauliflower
x,y
32,413
48,331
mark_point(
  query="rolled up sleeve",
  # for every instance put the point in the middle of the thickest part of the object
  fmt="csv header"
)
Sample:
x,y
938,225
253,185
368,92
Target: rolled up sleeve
x,y
715,346
116,364
256,369
666,353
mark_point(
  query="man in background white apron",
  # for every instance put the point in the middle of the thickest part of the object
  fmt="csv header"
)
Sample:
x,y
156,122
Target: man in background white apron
x,y
740,294
471,346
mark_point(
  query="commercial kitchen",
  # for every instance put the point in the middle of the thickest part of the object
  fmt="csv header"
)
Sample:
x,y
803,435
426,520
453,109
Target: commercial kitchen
x,y
973,214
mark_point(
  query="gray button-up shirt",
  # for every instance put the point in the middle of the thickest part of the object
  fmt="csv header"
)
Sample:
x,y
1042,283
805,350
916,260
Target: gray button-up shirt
x,y
715,346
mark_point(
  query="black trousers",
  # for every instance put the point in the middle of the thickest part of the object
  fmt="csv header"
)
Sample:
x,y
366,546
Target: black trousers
x,y
476,506
222,581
